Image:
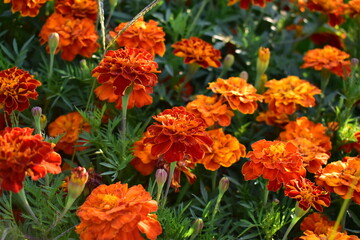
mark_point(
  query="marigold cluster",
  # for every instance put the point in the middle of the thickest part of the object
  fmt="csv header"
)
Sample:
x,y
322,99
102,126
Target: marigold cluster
x,y
310,235
21,154
239,94
245,4
145,35
16,88
118,212
334,9
328,58
77,9
317,223
196,50
27,8
284,95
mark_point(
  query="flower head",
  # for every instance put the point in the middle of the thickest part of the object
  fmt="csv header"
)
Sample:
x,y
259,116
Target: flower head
x,y
317,223
196,50
310,235
272,118
22,153
118,212
334,9
145,35
16,87
329,58
245,4
239,94
144,162
353,8
77,9
27,8
284,95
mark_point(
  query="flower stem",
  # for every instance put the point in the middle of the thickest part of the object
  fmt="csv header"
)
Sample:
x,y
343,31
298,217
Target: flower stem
x,y
51,68
325,76
266,196
192,68
125,102
25,204
171,173
299,213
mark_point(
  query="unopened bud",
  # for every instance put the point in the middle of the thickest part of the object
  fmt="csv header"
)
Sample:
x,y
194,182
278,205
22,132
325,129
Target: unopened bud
x,y
161,176
244,75
78,179
263,60
228,61
224,185
53,42
36,112
43,121
113,4
196,228
354,62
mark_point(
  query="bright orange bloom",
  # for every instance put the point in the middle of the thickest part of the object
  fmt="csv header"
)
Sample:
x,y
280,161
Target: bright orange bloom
x,y
16,87
76,36
245,4
118,212
239,94
69,125
272,118
340,176
353,8
27,8
284,95
177,133
123,67
145,35
329,58
77,9
334,9
310,235
144,162
211,109
196,50
225,151
277,161
22,153
317,223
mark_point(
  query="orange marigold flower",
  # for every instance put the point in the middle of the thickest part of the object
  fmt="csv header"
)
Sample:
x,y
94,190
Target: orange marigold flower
x,y
123,67
317,223
284,95
334,9
145,35
225,151
239,94
340,176
177,133
329,58
144,162
211,109
69,125
22,153
27,8
245,4
118,212
16,87
196,50
272,118
77,9
353,8
310,235
307,194
77,36
277,161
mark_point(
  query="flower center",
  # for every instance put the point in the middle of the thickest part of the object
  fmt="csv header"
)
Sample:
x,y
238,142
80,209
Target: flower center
x,y
109,201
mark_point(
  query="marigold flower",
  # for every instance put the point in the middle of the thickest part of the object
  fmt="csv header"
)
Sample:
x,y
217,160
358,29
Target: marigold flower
x,y
239,94
272,118
245,4
77,9
69,125
329,58
22,153
277,161
27,8
310,235
77,36
334,9
353,8
225,151
211,109
284,95
196,50
145,35
127,66
177,133
317,223
16,87
118,212
144,162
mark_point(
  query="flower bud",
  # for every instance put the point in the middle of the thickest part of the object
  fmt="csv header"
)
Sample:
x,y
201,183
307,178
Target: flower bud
x,y
37,115
53,42
244,75
36,112
197,228
261,66
113,4
43,121
78,179
224,185
161,176
354,62
228,61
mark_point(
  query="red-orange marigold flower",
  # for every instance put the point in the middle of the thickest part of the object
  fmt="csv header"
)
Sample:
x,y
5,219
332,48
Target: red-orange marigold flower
x,y
16,87
145,35
245,4
272,118
225,151
27,8
329,58
69,125
328,38
144,162
177,133
277,161
239,94
334,9
77,9
118,212
353,8
317,223
22,153
196,50
76,36
310,235
284,95
127,66
211,109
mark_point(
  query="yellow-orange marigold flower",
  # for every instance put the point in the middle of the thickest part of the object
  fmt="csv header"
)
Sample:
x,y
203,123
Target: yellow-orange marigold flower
x,y
329,58
317,223
334,9
118,212
353,8
239,94
16,87
22,153
76,36
27,8
340,176
211,109
145,35
284,95
310,235
277,161
225,151
77,9
245,4
196,50
69,125
272,118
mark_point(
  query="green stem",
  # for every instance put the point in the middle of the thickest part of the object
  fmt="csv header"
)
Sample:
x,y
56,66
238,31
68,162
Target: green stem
x,y
51,68
25,204
266,196
325,76
192,68
299,213
159,191
196,18
125,102
171,173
